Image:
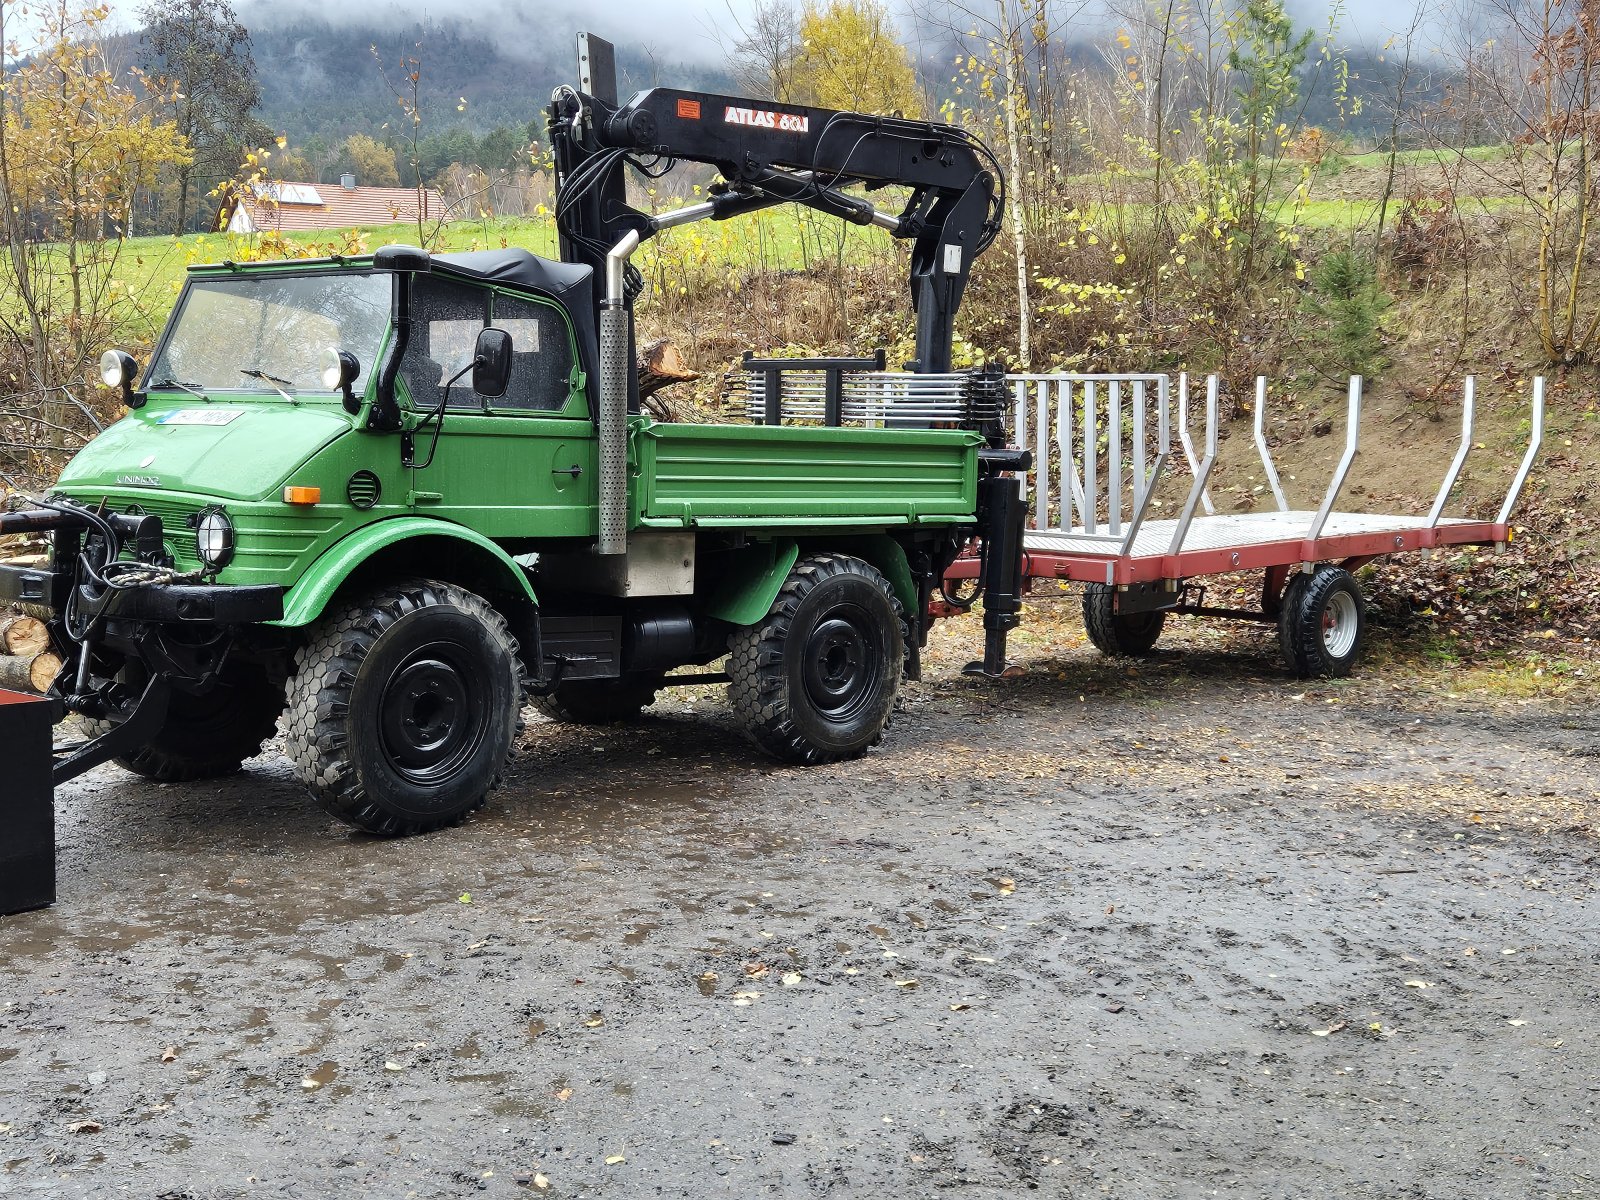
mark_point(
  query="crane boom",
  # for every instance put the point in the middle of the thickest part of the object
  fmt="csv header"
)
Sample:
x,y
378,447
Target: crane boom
x,y
768,154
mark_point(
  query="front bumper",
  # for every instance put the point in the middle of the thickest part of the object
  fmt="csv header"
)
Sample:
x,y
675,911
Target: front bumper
x,y
178,603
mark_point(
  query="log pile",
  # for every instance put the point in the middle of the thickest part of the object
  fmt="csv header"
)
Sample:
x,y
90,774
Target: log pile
x,y
27,663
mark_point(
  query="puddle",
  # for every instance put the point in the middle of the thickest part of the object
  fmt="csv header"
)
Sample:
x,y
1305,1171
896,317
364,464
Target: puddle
x,y
7,1054
469,1048
526,1110
707,984
640,932
878,931
325,1074
535,1028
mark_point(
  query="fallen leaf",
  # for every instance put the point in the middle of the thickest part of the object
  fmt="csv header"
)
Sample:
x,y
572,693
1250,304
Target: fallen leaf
x,y
792,978
615,1159
85,1127
1007,886
1517,1023
594,1022
464,898
392,1066
540,1182
564,1094
1417,983
905,983
959,1007
170,1054
755,969
311,1085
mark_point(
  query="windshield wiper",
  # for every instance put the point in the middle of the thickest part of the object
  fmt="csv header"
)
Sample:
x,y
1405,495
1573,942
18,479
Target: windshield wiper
x,y
192,389
278,383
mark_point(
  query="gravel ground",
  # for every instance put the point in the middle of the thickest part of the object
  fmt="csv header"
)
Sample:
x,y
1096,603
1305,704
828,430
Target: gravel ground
x,y
1193,930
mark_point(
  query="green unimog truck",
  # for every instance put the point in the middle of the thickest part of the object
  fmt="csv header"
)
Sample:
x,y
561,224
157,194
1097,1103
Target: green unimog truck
x,y
387,498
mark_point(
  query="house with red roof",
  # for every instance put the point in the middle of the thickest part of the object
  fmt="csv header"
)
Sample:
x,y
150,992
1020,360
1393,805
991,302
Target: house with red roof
x,y
282,207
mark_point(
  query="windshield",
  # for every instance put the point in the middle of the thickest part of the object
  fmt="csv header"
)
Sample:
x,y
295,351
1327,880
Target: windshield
x,y
277,327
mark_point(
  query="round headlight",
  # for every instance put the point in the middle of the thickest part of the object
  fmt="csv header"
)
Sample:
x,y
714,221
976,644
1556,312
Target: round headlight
x,y
332,369
116,368
213,539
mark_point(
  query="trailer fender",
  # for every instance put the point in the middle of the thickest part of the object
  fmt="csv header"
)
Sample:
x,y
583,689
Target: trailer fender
x,y
751,580
409,546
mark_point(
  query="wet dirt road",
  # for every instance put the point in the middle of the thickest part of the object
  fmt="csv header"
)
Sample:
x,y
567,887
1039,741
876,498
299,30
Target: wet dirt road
x,y
1201,931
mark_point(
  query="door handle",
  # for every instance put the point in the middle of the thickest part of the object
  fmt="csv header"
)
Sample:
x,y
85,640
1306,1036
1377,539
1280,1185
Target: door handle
x,y
574,470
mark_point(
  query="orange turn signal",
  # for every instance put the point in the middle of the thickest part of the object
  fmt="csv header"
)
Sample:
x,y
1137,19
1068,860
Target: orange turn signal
x,y
301,495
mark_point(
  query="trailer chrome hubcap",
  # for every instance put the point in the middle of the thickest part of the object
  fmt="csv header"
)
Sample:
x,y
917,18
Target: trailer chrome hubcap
x,y
431,717
841,667
1339,624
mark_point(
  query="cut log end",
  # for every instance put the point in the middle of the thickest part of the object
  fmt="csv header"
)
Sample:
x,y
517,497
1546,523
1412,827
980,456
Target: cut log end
x,y
661,365
24,636
29,674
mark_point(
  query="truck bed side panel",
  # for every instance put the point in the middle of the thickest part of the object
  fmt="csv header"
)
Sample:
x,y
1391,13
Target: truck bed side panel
x,y
788,476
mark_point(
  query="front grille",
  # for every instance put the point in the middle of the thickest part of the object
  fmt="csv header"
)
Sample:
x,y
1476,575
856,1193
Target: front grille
x,y
176,532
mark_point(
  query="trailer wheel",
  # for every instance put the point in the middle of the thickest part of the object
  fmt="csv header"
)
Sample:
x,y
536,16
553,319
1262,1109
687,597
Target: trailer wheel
x,y
816,681
1321,622
403,707
1119,634
205,736
600,701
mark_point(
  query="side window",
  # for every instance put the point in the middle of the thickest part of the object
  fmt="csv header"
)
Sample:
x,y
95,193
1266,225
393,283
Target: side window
x,y
445,320
541,354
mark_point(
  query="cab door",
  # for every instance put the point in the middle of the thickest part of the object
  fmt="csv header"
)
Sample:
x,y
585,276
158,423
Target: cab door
x,y
521,465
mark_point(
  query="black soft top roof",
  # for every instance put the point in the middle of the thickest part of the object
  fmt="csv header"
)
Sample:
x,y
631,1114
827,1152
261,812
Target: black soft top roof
x,y
519,268
570,284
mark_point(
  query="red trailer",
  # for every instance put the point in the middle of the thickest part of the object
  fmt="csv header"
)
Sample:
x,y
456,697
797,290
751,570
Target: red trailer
x,y
1091,438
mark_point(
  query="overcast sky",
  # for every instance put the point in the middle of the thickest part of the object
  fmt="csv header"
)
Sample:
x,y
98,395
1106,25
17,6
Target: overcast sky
x,y
687,29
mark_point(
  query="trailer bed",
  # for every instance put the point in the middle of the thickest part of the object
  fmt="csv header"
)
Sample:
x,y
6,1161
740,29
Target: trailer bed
x,y
1243,541
1092,437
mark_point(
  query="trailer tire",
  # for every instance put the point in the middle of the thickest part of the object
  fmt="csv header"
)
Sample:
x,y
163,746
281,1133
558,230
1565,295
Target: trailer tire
x,y
817,680
600,701
1129,635
205,736
1322,623
404,706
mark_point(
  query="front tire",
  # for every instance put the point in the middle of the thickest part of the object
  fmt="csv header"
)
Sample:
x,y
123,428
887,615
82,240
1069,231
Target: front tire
x,y
816,681
1322,623
206,736
404,706
1130,635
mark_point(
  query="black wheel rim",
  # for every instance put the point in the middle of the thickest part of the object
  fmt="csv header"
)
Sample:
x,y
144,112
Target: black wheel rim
x,y
844,664
432,715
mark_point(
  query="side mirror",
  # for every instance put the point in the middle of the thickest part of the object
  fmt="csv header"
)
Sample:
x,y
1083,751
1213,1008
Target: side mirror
x,y
491,363
117,369
339,370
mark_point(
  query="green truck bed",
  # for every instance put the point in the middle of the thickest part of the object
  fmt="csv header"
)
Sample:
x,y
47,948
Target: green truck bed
x,y
801,476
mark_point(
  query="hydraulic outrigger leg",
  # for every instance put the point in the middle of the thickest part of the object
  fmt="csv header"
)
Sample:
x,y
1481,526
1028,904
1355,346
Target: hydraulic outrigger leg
x,y
1002,515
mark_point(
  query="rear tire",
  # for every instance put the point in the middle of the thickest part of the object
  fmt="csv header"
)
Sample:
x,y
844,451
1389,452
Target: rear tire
x,y
1130,635
600,701
206,736
1322,623
816,681
404,706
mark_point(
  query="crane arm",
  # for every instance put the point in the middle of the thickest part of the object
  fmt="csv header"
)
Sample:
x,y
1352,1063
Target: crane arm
x,y
768,154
